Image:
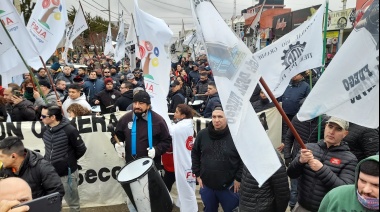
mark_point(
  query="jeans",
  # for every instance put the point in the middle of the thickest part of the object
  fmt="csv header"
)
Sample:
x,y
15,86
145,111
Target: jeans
x,y
293,192
211,199
70,184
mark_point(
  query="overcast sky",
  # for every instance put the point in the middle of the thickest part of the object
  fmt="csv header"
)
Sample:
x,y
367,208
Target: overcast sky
x,y
174,11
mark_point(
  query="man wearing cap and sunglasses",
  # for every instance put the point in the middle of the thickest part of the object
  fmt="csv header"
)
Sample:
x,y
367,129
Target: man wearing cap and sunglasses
x,y
323,166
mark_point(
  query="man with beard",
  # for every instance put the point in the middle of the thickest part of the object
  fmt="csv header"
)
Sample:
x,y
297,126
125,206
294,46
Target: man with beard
x,y
323,166
262,104
107,98
133,127
126,98
363,196
61,89
217,165
83,73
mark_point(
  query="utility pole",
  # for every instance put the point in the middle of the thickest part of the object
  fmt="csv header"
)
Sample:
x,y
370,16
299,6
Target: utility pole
x,y
109,10
342,27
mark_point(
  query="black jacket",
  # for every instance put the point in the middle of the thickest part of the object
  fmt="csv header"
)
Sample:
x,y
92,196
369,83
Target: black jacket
x,y
273,196
293,95
177,99
63,147
215,159
107,100
261,105
338,169
38,173
125,100
363,142
23,111
308,131
162,139
213,101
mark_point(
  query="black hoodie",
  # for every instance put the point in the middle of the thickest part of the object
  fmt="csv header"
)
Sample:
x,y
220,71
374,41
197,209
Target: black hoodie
x,y
125,100
215,158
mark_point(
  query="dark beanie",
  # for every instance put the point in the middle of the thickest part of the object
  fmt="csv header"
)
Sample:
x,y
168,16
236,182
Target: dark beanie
x,y
142,96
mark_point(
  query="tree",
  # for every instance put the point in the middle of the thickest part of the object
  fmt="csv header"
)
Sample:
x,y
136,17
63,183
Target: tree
x,y
27,7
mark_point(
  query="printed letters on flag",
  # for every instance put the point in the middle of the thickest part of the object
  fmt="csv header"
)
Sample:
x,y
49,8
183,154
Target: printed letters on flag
x,y
294,53
47,26
20,36
349,88
236,76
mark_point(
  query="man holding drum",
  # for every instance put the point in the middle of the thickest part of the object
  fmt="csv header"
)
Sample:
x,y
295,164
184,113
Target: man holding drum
x,y
143,132
133,128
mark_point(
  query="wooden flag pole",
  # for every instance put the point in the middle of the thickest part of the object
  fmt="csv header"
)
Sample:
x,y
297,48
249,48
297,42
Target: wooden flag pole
x,y
282,112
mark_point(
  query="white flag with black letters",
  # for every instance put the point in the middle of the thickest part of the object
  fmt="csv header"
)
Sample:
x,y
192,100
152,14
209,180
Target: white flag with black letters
x,y
349,88
236,75
294,53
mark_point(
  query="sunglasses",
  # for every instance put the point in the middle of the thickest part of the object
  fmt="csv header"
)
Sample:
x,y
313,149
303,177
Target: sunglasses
x,y
44,117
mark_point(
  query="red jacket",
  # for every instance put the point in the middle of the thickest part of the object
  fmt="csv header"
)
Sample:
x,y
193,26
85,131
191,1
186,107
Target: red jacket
x,y
168,160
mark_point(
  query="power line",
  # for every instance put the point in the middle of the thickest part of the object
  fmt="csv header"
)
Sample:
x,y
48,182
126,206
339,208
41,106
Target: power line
x,y
99,9
104,7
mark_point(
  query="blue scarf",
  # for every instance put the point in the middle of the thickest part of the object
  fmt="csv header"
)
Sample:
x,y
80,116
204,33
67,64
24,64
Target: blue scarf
x,y
134,133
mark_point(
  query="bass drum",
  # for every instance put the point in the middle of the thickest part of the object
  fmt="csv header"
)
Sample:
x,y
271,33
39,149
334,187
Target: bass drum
x,y
144,186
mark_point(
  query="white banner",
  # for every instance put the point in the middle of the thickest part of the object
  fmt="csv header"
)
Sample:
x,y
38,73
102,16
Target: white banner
x,y
236,76
349,88
120,43
79,26
108,49
154,34
257,18
16,28
296,52
98,167
47,26
183,142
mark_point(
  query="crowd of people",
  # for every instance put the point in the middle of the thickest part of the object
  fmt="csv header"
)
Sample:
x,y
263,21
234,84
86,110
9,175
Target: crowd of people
x,y
319,175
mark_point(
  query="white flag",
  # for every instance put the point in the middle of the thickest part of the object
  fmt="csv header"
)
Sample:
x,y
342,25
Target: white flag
x,y
47,26
258,16
236,76
183,142
296,52
9,55
5,42
120,43
16,28
349,88
154,34
108,49
79,26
